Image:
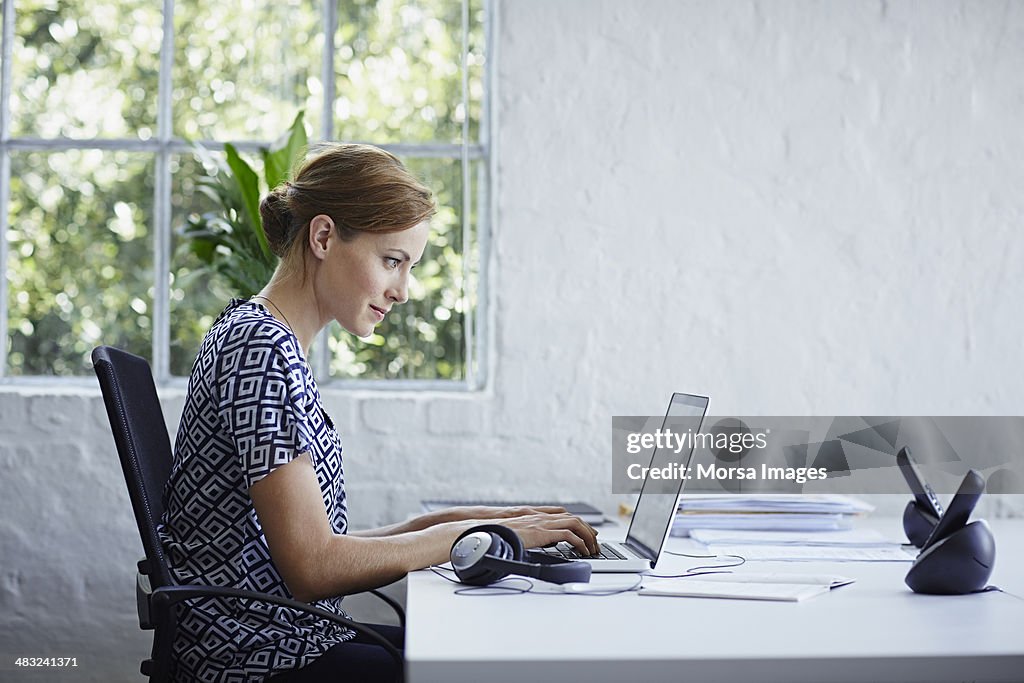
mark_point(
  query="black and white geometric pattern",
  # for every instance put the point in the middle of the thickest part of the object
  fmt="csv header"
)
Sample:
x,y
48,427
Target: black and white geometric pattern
x,y
252,406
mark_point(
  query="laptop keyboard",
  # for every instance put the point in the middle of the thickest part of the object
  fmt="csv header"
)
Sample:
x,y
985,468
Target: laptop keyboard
x,y
568,552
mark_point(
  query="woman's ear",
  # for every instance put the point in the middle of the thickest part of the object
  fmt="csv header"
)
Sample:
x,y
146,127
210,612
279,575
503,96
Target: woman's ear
x,y
321,228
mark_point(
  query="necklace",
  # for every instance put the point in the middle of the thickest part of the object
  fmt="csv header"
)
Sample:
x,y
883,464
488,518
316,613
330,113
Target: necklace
x,y
260,296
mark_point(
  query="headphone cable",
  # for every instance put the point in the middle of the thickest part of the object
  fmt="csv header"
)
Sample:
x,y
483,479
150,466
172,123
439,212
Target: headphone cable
x,y
517,590
476,590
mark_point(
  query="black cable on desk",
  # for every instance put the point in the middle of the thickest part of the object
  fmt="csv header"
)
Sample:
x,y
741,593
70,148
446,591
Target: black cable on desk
x,y
693,571
997,589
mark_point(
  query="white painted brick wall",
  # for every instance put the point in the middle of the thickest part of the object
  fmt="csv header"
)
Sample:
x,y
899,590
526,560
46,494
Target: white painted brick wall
x,y
797,207
391,415
468,417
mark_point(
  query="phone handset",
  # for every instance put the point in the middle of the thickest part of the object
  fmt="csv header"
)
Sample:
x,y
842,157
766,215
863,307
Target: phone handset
x,y
923,512
958,557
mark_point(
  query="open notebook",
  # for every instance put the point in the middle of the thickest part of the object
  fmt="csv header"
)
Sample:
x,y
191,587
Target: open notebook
x,y
745,586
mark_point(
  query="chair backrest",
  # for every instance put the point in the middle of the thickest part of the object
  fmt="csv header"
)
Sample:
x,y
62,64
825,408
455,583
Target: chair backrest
x,y
137,421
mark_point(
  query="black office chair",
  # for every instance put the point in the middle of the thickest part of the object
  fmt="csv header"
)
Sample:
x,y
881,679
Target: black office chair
x,y
144,448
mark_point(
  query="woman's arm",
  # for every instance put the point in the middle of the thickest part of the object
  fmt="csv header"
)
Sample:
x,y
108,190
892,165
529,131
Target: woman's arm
x,y
316,563
458,514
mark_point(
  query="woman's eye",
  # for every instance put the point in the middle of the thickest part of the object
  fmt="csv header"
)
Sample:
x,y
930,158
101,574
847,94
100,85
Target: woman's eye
x,y
391,262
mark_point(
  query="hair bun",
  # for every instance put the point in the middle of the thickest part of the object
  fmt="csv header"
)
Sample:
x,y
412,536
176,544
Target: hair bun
x,y
276,216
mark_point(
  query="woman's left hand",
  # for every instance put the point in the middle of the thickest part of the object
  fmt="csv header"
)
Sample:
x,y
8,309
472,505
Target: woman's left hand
x,y
480,513
456,514
485,513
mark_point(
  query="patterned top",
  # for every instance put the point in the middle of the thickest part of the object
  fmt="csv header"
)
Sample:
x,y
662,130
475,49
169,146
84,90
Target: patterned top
x,y
252,406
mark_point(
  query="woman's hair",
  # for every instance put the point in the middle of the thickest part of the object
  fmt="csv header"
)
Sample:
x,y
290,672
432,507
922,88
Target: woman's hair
x,y
362,188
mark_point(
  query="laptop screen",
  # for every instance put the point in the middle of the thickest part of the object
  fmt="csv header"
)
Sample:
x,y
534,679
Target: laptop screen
x,y
656,506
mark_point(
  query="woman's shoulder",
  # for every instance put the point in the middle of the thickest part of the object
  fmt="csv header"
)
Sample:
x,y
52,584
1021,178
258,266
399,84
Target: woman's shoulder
x,y
246,325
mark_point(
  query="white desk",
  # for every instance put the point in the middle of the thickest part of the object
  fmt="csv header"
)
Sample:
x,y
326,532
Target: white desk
x,y
873,630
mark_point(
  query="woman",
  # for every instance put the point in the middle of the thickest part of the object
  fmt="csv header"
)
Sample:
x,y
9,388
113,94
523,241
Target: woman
x,y
256,497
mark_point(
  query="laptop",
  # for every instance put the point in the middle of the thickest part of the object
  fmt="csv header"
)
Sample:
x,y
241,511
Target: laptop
x,y
652,517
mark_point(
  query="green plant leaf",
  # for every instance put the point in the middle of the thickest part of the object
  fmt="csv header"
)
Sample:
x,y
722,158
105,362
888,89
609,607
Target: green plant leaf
x,y
228,241
280,158
203,249
248,185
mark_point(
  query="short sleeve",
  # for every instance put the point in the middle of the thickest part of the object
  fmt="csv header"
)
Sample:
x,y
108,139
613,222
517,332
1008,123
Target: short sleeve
x,y
263,404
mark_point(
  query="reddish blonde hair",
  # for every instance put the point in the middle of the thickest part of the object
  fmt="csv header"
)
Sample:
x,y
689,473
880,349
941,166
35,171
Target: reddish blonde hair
x,y
361,188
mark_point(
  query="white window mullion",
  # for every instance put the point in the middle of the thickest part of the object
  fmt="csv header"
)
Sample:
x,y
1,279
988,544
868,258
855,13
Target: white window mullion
x,y
7,47
5,196
321,351
162,205
330,19
486,211
468,338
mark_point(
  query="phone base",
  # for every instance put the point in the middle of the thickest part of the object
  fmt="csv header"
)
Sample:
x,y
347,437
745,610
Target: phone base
x,y
918,523
958,564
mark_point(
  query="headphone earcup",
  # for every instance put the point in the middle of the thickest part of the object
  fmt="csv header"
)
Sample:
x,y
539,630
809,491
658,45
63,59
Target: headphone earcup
x,y
490,552
516,551
471,549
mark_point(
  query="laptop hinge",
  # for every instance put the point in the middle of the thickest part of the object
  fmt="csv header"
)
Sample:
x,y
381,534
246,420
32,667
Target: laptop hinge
x,y
640,550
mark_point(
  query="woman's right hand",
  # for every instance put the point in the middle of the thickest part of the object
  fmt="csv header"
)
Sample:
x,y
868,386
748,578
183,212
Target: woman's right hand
x,y
549,528
538,529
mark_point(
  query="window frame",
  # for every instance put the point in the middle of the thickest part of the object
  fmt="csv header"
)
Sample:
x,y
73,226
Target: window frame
x,y
164,145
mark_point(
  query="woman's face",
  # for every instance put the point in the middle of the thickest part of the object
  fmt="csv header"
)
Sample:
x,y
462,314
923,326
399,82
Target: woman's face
x,y
360,281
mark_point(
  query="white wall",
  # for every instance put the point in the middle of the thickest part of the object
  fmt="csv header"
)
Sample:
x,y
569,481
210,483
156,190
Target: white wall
x,y
796,207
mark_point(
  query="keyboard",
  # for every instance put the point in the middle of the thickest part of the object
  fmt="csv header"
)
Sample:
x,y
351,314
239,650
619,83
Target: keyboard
x,y
568,552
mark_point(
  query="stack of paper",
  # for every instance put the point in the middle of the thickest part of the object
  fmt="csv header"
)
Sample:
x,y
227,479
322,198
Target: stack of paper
x,y
841,546
865,538
768,512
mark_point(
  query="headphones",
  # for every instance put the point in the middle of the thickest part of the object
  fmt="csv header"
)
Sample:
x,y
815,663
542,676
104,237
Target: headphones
x,y
488,553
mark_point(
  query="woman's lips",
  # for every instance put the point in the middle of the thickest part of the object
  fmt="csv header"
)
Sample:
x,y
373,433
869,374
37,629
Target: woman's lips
x,y
380,312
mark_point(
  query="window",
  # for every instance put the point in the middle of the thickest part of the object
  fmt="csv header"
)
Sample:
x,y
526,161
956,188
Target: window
x,y
100,103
